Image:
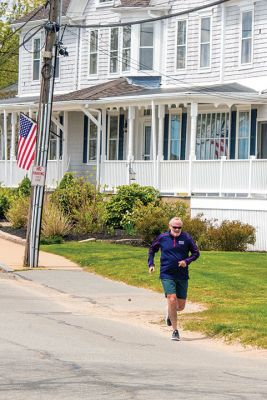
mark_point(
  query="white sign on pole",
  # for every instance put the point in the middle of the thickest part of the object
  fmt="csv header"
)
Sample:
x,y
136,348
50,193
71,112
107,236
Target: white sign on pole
x,y
38,176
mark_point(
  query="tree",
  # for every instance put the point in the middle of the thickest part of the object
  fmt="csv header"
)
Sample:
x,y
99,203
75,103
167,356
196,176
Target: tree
x,y
9,41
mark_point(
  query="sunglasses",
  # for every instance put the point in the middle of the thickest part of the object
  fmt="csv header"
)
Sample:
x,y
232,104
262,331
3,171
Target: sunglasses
x,y
176,227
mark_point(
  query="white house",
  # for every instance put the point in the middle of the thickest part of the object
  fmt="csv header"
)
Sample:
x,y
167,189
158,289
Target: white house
x,y
172,94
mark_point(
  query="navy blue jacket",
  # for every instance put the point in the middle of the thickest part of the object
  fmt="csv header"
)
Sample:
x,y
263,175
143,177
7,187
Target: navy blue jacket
x,y
173,249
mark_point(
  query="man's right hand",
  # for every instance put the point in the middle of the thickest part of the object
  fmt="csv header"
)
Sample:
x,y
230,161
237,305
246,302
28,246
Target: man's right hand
x,y
151,269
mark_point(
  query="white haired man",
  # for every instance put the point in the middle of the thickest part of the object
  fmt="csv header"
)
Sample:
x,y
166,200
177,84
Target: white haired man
x,y
178,250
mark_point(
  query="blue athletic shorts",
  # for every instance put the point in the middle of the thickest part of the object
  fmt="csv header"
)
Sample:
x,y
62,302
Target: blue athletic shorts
x,y
175,286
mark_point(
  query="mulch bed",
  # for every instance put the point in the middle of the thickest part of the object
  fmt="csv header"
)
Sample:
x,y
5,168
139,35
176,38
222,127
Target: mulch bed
x,y
119,236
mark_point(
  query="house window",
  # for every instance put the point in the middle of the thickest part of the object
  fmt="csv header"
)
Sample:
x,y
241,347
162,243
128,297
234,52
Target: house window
x,y
36,59
212,139
246,39
55,143
120,49
57,68
92,141
243,134
174,137
181,44
114,50
113,142
146,46
205,40
126,48
93,52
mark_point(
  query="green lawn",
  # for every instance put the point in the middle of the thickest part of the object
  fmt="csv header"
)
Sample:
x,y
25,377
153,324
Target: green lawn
x,y
232,285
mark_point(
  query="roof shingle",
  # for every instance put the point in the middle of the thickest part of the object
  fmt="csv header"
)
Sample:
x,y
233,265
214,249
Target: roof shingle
x,y
42,14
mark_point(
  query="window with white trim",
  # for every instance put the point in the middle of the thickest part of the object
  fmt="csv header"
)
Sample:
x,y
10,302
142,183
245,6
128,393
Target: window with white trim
x,y
93,52
114,50
246,37
181,44
243,134
113,139
36,59
212,138
146,47
205,42
174,148
126,48
92,141
120,49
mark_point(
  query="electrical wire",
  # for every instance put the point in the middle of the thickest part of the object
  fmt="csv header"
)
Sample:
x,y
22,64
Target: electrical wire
x,y
135,65
143,21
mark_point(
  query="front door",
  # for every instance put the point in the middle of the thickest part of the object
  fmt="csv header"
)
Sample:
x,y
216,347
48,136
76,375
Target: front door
x,y
263,141
147,142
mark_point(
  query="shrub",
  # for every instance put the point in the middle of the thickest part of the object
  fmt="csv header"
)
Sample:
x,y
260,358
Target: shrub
x,y
73,194
232,236
54,222
197,228
90,218
24,188
6,198
18,212
125,199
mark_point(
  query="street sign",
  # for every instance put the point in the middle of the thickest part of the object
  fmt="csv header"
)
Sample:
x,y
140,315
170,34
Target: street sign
x,y
38,176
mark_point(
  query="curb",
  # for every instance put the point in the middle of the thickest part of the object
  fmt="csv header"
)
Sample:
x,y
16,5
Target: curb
x,y
12,238
5,268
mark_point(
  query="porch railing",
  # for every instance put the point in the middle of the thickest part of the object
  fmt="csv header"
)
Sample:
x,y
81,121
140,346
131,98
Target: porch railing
x,y
11,175
218,177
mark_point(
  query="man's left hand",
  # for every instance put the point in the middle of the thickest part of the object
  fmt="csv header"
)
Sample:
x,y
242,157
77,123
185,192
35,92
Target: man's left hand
x,y
182,263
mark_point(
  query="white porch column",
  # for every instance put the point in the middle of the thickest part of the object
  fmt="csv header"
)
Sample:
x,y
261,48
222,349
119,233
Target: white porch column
x,y
131,117
12,147
154,141
5,147
98,155
161,115
103,149
192,154
65,156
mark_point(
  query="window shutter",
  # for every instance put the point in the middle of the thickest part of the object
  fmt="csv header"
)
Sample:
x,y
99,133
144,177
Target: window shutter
x,y
85,139
183,135
166,136
233,135
253,130
121,137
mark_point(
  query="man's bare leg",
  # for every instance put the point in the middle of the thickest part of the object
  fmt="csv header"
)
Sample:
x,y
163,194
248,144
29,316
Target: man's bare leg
x,y
172,309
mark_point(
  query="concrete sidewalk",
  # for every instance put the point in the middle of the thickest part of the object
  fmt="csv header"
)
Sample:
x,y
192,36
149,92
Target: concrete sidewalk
x,y
12,253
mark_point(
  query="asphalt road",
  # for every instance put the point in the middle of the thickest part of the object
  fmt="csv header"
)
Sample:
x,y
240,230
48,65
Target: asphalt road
x,y
71,335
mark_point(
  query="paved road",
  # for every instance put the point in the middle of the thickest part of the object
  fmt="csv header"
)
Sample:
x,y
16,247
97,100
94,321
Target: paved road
x,y
65,335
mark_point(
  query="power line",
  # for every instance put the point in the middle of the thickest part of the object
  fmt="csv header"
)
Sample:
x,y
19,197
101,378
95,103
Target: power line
x,y
22,26
181,83
143,21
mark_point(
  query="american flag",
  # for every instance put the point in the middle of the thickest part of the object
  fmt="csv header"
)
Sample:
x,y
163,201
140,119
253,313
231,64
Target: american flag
x,y
27,140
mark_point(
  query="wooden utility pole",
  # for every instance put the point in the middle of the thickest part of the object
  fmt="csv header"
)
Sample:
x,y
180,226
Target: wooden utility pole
x,y
52,27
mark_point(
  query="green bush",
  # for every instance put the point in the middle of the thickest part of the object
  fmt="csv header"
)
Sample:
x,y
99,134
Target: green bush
x,y
231,236
6,197
24,188
147,221
18,212
125,199
198,228
73,194
90,218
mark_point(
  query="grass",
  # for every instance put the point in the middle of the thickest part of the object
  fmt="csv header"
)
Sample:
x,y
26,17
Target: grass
x,y
232,285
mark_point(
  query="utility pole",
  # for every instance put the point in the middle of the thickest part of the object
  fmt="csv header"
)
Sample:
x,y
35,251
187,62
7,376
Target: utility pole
x,y
52,27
